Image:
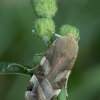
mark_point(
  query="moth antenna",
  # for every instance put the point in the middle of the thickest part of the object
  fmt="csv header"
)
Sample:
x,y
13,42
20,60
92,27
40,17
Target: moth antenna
x,y
57,35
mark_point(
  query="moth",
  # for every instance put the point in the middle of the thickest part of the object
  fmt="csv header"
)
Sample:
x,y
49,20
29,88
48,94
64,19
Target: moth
x,y
54,69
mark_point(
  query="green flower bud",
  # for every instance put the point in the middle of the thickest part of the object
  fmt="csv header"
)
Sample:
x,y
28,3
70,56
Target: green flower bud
x,y
45,8
67,29
42,27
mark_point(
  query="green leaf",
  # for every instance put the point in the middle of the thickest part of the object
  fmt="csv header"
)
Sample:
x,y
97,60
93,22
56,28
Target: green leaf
x,y
14,68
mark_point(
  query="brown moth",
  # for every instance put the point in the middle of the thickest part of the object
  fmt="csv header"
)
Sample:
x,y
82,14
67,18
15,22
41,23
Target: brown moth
x,y
54,69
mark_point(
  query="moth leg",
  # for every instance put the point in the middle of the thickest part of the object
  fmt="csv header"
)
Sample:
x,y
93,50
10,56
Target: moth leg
x,y
40,54
66,88
57,35
78,39
37,58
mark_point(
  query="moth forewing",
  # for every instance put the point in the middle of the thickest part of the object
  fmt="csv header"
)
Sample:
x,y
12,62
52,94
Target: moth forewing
x,y
63,54
56,66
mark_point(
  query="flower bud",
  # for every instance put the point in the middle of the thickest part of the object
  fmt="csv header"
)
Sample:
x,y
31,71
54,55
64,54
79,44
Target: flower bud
x,y
45,8
67,29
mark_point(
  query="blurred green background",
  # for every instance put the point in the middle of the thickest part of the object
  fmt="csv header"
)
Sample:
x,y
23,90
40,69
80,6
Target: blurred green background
x,y
17,44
